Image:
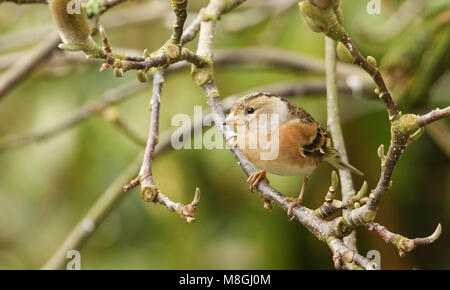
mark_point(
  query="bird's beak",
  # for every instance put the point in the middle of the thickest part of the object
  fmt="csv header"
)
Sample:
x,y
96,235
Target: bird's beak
x,y
231,120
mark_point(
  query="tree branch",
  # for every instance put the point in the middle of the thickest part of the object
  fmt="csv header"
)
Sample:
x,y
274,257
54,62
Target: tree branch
x,y
192,30
432,116
149,191
179,8
172,50
170,53
402,243
338,33
334,125
25,65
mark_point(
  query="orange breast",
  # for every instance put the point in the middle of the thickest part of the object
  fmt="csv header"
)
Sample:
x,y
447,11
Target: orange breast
x,y
289,160
291,141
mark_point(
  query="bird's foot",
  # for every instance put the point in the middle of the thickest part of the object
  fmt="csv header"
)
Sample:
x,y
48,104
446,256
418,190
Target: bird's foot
x,y
294,202
255,178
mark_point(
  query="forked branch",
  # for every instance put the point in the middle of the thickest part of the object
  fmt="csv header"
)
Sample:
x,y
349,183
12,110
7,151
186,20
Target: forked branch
x,y
402,243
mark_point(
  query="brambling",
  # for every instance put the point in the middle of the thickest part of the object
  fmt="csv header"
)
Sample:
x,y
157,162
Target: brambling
x,y
302,143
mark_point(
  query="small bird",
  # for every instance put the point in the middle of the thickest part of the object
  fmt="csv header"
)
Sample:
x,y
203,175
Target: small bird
x,y
302,143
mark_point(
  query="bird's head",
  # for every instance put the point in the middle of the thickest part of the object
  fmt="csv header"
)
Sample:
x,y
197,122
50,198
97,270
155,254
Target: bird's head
x,y
255,106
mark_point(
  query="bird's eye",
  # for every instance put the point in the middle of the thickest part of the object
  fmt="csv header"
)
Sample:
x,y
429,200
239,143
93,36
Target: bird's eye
x,y
250,110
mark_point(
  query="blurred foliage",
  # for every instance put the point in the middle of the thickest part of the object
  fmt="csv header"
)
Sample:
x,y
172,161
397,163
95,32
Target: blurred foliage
x,y
46,188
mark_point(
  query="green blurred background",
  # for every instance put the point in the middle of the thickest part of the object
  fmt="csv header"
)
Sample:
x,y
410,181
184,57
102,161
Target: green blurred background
x,y
47,187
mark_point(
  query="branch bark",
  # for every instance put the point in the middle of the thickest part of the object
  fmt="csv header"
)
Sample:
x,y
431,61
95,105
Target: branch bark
x,y
402,243
149,191
334,125
23,67
432,116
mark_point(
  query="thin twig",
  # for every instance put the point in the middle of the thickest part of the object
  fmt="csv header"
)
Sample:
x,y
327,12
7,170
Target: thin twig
x,y
334,125
25,65
149,191
173,52
432,116
404,130
192,30
337,33
402,243
179,8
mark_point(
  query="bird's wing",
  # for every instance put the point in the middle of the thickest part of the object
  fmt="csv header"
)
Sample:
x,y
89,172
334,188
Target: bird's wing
x,y
311,138
313,141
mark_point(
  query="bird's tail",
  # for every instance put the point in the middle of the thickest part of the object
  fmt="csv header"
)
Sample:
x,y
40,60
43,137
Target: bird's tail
x,y
334,158
339,163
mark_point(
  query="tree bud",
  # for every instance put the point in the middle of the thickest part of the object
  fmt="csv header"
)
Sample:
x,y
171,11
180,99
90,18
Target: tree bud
x,y
71,21
313,17
343,53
